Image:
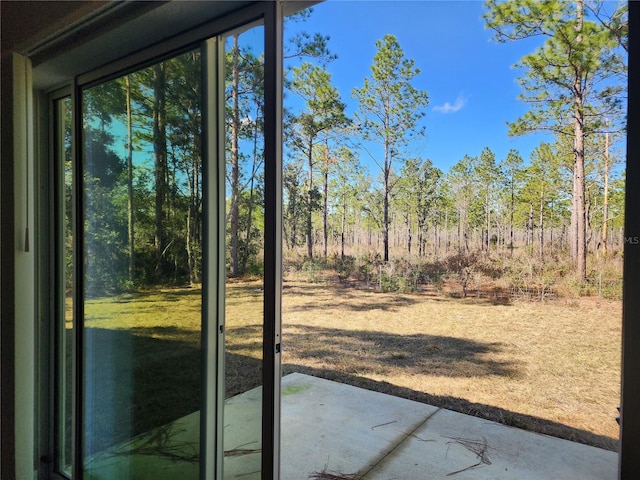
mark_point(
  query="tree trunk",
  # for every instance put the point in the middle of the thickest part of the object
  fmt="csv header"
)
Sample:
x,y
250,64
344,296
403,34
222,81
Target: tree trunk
x,y
325,212
310,199
573,229
385,225
541,220
409,235
235,160
511,214
130,210
605,207
446,232
551,217
578,172
435,240
160,162
459,230
488,221
254,168
530,226
342,226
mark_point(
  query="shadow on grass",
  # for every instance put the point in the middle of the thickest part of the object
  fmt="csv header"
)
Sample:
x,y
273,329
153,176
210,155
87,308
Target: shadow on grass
x,y
488,412
353,294
350,299
170,294
386,353
135,382
144,378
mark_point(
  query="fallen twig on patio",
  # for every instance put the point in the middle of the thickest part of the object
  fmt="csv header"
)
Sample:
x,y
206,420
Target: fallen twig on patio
x,y
383,424
160,442
464,469
324,475
239,451
422,439
479,448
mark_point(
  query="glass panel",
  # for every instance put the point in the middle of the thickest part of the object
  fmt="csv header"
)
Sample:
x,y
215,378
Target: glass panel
x,y
142,278
64,333
244,249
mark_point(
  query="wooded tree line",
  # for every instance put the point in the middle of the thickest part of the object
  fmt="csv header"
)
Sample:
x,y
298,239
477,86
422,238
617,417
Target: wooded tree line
x,y
142,140
143,218
142,167
566,197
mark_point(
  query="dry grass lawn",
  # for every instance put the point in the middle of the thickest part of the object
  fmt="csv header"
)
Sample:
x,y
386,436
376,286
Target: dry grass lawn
x,y
547,367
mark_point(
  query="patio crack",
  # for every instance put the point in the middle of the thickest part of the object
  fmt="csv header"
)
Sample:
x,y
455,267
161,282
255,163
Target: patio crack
x,y
412,433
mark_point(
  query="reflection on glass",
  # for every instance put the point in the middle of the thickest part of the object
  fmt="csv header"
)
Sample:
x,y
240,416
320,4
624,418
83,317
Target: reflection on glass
x,y
244,248
143,243
62,109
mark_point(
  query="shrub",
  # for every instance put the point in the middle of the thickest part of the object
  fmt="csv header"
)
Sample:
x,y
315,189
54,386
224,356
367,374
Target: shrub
x,y
312,269
345,266
463,265
367,266
432,274
399,275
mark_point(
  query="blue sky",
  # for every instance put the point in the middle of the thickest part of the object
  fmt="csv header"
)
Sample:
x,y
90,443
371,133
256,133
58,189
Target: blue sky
x,y
469,77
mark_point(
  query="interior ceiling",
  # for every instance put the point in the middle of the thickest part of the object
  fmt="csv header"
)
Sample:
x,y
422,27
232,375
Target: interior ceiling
x,y
25,24
118,30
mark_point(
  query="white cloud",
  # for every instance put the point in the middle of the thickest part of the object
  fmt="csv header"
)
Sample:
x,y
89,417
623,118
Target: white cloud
x,y
451,108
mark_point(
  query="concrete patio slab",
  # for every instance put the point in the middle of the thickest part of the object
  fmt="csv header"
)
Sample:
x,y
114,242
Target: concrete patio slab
x,y
242,436
165,453
349,432
329,426
343,430
451,444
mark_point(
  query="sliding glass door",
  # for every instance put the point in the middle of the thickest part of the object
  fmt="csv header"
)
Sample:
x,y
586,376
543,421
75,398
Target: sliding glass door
x,y
142,248
244,253
64,310
167,340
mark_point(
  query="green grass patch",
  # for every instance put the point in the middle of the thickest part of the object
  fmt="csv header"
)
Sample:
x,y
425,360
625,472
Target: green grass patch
x,y
294,389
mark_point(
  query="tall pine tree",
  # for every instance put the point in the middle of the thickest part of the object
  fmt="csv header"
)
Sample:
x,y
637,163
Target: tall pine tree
x,y
390,108
569,82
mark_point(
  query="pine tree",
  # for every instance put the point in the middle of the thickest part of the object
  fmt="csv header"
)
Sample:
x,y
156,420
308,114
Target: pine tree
x,y
390,109
324,113
461,179
569,82
487,177
512,170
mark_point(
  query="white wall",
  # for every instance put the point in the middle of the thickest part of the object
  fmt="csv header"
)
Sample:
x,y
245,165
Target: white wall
x,y
25,275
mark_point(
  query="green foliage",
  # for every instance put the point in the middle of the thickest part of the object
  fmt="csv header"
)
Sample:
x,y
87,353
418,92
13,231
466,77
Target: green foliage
x,y
476,201
312,270
324,114
105,228
388,94
324,109
461,180
399,275
416,197
144,215
367,266
305,44
345,266
244,92
294,203
617,201
576,48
